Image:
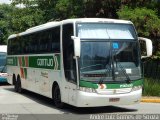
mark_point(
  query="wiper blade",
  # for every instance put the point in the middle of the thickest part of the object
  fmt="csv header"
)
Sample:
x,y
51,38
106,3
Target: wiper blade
x,y
124,72
107,69
101,80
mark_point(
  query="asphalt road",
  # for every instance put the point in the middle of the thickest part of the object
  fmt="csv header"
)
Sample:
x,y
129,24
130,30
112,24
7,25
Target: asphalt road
x,y
38,107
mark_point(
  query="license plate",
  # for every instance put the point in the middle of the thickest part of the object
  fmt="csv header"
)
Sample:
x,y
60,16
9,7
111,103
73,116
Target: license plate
x,y
114,99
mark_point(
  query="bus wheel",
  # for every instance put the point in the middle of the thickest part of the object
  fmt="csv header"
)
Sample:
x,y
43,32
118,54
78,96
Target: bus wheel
x,y
19,87
15,83
57,97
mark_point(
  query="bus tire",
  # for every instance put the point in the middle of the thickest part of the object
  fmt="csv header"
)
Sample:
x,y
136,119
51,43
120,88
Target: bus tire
x,y
19,86
15,83
57,97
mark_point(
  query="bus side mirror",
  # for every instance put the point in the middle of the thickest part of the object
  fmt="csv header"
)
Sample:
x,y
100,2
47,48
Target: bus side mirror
x,y
77,46
148,46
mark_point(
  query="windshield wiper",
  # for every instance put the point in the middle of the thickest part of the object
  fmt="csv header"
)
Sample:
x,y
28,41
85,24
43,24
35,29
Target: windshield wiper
x,y
124,72
107,70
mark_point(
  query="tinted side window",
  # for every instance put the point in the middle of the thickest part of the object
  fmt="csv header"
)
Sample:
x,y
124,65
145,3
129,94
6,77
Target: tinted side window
x,y
14,46
33,43
55,43
25,45
68,53
41,42
44,41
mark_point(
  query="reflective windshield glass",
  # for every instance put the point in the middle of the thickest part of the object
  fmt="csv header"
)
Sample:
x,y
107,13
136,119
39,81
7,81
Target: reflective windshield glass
x,y
110,61
109,52
93,58
126,61
105,31
2,62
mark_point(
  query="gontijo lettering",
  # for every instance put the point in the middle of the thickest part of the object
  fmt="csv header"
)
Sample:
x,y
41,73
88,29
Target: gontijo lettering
x,y
45,62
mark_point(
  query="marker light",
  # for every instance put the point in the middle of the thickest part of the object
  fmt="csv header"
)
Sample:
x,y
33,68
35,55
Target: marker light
x,y
85,89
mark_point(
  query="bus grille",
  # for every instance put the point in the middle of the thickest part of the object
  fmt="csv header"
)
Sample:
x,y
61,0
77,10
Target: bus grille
x,y
113,91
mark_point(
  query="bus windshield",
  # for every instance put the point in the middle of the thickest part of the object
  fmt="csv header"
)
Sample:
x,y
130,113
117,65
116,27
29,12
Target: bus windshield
x,y
108,57
106,31
3,62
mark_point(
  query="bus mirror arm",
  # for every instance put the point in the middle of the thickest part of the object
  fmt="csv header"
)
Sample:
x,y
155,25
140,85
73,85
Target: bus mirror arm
x,y
149,46
77,49
77,46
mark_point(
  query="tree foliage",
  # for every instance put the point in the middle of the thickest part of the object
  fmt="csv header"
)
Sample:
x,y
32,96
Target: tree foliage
x,y
145,20
69,9
26,18
5,22
143,13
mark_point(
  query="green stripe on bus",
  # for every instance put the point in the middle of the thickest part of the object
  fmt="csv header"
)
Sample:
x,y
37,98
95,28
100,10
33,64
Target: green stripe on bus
x,y
45,62
110,86
12,61
58,61
83,83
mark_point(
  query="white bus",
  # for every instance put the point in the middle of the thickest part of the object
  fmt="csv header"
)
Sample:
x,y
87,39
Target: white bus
x,y
85,62
3,56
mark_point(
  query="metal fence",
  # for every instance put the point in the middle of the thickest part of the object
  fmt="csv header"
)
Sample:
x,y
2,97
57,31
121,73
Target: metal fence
x,y
152,69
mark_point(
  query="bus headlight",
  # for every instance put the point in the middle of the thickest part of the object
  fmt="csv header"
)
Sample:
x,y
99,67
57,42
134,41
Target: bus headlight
x,y
90,90
135,88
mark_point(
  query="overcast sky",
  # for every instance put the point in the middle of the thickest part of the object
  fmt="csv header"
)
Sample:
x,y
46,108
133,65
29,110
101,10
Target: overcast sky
x,y
5,1
9,1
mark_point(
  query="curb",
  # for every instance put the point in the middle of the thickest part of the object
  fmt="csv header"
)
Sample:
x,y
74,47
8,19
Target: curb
x,y
150,100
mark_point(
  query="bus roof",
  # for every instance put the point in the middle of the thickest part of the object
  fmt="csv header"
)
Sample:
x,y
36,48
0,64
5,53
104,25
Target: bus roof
x,y
3,48
58,23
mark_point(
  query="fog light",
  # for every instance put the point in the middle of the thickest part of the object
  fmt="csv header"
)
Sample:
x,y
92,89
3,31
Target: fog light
x,y
135,88
90,90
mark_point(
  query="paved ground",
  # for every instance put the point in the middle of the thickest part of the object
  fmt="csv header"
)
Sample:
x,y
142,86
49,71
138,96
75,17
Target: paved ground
x,y
30,106
27,103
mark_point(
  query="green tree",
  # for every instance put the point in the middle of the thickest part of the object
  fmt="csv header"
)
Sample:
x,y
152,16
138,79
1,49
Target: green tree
x,y
145,20
147,24
55,9
29,14
48,10
69,9
62,9
101,8
5,22
139,3
26,18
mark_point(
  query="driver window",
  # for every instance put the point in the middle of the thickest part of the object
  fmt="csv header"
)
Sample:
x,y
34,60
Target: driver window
x,y
68,53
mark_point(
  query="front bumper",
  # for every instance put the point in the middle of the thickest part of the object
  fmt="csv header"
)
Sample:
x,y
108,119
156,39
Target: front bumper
x,y
84,99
